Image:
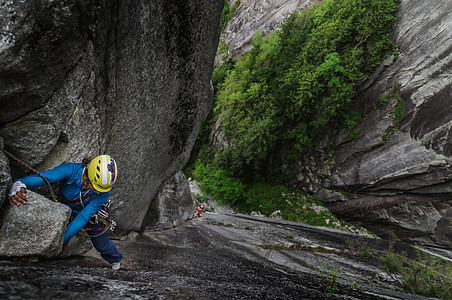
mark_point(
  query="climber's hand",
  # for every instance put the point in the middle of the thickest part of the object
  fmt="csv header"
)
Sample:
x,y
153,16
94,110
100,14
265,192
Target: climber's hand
x,y
19,198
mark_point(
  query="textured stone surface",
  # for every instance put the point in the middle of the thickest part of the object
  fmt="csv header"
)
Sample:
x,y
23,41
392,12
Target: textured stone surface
x,y
5,176
46,61
77,245
403,185
172,205
253,15
163,64
130,79
34,229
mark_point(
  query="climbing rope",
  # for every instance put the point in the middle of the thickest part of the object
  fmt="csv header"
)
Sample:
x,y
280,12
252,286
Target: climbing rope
x,y
27,166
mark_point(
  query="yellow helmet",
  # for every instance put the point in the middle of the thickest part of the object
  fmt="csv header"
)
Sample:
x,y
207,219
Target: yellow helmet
x,y
102,172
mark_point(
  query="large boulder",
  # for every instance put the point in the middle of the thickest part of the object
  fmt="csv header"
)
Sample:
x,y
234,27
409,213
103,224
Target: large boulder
x,y
172,205
130,79
37,229
397,175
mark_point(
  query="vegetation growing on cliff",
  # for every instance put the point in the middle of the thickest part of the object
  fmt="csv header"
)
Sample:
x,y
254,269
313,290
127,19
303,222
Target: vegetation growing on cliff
x,y
294,87
276,200
297,84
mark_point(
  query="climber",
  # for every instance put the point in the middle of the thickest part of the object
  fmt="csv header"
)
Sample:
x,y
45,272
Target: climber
x,y
199,210
85,189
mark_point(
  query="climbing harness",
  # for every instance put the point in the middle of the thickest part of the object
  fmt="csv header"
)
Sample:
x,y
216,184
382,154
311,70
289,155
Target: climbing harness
x,y
27,166
102,216
107,227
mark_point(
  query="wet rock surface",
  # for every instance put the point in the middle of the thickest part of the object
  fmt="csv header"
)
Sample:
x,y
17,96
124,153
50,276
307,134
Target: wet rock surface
x,y
215,257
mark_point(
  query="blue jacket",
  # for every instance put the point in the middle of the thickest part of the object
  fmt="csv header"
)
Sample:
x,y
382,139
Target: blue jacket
x,y
69,176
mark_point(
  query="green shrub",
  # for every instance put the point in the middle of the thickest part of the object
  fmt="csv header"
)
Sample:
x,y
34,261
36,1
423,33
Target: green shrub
x,y
220,73
265,198
294,206
218,183
396,114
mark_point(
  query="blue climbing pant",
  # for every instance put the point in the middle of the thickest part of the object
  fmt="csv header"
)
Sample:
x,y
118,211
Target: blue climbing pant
x,y
103,244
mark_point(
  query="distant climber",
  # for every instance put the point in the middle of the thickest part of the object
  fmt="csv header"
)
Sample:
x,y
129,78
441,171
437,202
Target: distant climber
x,y
85,189
199,210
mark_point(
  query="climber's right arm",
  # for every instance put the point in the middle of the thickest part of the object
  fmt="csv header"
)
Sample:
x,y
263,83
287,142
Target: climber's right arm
x,y
17,194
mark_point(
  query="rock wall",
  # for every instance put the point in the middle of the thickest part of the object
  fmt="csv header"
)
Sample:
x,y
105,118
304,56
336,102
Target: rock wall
x,y
127,78
398,177
253,15
5,176
173,204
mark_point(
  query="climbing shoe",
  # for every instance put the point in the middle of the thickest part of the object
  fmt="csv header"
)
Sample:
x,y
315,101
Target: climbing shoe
x,y
116,266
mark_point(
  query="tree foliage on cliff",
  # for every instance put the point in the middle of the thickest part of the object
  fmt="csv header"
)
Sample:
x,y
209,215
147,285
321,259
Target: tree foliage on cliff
x,y
296,84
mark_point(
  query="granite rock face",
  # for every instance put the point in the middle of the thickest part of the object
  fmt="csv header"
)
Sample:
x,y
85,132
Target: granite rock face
x,y
5,176
130,79
163,65
243,257
47,58
397,176
253,15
